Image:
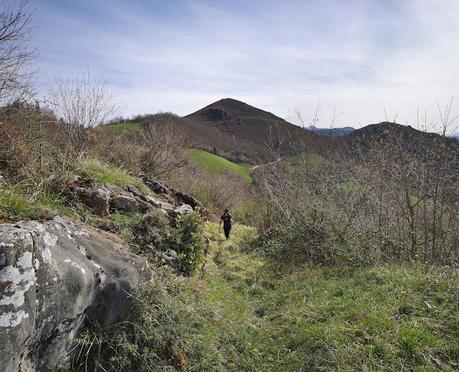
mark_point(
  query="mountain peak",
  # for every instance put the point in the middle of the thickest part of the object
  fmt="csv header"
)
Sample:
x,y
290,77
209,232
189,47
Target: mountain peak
x,y
227,109
230,101
244,133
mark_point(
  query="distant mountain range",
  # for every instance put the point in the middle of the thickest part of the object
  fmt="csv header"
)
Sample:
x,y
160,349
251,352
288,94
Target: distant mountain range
x,y
243,133
333,132
344,131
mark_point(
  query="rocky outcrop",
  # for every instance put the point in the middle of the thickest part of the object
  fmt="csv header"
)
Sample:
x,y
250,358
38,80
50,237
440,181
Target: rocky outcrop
x,y
175,196
52,276
95,198
124,203
216,114
106,199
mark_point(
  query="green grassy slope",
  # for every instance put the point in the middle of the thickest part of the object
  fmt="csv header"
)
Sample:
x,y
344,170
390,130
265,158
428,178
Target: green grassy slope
x,y
245,315
108,175
389,317
217,164
122,128
18,202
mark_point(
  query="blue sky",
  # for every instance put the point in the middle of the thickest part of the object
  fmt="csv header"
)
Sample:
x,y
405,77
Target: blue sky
x,y
358,57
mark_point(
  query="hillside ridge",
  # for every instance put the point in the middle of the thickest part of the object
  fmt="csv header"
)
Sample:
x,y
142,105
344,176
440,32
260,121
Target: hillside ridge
x,y
244,133
235,108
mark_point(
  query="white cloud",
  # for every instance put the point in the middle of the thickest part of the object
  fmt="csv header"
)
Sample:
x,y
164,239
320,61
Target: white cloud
x,y
358,56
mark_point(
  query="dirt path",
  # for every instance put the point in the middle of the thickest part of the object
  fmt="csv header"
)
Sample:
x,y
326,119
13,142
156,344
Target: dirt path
x,y
264,165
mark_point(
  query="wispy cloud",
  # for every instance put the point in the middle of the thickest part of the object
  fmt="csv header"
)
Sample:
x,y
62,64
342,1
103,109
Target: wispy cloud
x,y
359,56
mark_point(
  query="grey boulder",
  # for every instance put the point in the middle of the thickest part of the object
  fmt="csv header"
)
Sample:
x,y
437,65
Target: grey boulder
x,y
124,203
183,209
52,276
95,198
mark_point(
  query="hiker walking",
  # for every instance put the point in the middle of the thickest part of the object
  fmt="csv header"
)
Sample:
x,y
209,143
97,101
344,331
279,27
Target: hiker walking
x,y
227,220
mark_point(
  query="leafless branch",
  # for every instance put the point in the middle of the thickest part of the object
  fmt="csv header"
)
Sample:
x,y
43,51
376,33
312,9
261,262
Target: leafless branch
x,y
15,52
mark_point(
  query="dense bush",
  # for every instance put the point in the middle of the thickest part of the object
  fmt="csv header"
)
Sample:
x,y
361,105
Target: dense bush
x,y
153,147
305,241
190,243
153,229
389,207
185,236
324,240
247,212
29,148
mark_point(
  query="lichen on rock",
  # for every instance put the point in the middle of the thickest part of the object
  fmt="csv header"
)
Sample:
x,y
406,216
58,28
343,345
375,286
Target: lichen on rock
x,y
52,276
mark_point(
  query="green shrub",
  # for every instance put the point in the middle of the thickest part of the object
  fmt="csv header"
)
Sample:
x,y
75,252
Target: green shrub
x,y
297,242
186,238
125,224
153,229
190,243
324,240
247,212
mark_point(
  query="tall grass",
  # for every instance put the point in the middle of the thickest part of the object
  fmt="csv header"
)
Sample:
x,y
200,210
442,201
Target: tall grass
x,y
109,175
245,314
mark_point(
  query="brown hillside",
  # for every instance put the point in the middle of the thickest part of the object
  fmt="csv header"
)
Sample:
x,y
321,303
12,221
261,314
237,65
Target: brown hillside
x,y
242,132
424,146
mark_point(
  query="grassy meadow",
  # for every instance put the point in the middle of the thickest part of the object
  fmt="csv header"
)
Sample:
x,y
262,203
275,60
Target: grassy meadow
x,y
219,165
122,128
243,313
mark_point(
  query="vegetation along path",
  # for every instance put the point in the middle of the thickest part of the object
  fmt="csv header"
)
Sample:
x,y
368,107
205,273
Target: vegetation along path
x,y
246,314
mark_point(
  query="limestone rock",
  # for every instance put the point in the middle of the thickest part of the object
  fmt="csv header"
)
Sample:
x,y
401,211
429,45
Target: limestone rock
x,y
174,196
156,186
52,276
131,199
124,203
184,208
95,198
184,198
169,257
145,207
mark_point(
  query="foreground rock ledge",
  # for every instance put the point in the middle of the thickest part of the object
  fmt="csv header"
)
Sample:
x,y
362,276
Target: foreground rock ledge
x,y
53,275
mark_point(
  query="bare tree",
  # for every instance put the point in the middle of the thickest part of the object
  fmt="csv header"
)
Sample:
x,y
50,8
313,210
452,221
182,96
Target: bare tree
x,y
447,119
156,150
334,118
389,118
295,116
165,146
386,204
81,102
15,52
424,124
